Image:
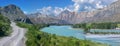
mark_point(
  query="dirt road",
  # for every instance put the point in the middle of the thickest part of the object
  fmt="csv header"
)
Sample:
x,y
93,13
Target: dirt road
x,y
16,38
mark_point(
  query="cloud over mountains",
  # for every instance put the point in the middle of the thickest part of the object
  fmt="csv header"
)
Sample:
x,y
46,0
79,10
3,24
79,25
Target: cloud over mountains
x,y
79,5
82,5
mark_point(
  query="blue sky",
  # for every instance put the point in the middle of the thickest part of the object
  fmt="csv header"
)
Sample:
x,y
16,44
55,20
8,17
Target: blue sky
x,y
56,6
32,5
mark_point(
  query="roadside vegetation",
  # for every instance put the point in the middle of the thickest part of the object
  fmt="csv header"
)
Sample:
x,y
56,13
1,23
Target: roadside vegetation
x,y
4,26
35,37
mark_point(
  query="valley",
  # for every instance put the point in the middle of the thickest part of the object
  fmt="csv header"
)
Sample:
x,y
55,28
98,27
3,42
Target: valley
x,y
60,23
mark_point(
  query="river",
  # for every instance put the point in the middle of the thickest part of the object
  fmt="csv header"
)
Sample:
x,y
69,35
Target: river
x,y
68,31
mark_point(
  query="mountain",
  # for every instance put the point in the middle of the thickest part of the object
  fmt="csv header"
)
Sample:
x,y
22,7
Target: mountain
x,y
110,13
74,17
67,16
39,18
14,13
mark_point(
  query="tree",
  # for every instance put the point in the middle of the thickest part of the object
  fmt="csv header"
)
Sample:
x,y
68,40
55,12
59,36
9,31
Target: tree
x,y
87,28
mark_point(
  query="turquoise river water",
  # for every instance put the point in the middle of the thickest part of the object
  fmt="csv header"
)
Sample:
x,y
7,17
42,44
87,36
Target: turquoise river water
x,y
68,31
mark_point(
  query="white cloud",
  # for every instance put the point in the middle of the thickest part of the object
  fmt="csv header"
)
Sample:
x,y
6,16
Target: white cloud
x,y
45,10
98,5
91,1
92,4
88,8
79,5
50,10
25,12
57,10
76,7
54,11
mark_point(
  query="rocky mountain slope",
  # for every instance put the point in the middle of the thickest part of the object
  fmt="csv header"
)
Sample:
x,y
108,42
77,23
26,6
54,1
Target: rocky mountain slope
x,y
110,13
67,16
74,17
39,18
14,13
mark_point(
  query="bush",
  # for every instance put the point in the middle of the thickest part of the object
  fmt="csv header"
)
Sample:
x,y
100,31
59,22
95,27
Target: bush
x,y
4,26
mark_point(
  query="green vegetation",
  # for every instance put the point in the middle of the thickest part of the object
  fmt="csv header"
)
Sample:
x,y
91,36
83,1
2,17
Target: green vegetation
x,y
88,26
97,25
118,25
84,26
104,25
35,37
105,32
4,26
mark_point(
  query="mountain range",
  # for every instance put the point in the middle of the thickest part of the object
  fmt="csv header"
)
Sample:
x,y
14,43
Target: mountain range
x,y
111,13
39,18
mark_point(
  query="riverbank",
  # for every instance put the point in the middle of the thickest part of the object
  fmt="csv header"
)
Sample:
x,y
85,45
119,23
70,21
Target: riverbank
x,y
102,36
100,31
110,39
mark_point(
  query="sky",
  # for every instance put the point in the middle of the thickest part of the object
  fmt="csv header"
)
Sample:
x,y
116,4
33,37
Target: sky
x,y
57,6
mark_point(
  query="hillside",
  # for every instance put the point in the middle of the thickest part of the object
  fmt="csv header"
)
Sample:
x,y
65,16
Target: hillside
x,y
4,26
